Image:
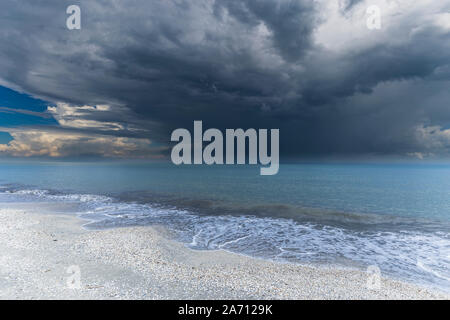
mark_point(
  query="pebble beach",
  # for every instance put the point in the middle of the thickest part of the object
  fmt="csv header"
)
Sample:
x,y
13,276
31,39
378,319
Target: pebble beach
x,y
51,256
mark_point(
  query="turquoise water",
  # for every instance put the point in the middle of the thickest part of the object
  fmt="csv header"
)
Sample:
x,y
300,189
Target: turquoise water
x,y
394,216
403,190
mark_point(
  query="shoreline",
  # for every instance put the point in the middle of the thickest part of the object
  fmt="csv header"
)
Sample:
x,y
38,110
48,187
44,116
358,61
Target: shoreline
x,y
39,246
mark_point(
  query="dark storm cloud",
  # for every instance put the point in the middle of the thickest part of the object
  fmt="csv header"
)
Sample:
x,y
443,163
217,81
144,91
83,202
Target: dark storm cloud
x,y
291,22
288,64
348,4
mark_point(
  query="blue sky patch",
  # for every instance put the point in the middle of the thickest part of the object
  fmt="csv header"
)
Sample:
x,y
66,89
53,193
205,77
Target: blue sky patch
x,y
5,137
18,109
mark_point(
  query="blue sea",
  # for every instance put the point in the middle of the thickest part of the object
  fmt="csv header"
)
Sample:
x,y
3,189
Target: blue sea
x,y
395,216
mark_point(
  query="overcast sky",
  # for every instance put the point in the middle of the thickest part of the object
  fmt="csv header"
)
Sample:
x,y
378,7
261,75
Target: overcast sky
x,y
139,69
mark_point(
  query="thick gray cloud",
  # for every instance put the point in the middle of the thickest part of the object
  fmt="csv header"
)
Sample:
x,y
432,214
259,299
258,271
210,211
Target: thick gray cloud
x,y
311,68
